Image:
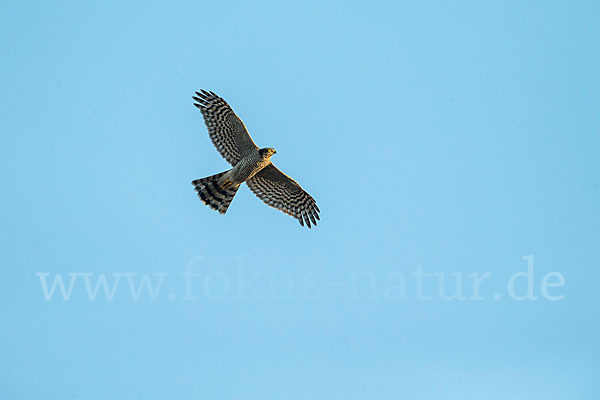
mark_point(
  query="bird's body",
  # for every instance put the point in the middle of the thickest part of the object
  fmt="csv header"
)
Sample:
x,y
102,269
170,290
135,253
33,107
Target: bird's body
x,y
250,164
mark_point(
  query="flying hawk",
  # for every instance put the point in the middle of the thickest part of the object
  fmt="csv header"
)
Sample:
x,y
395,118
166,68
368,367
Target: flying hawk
x,y
250,164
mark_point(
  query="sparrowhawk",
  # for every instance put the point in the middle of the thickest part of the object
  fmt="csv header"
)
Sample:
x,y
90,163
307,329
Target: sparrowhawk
x,y
250,164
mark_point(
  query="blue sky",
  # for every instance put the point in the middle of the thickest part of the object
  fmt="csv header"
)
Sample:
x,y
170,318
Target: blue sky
x,y
451,138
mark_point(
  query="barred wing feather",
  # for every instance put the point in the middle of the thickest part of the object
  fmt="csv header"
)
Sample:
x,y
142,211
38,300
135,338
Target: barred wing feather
x,y
226,130
280,191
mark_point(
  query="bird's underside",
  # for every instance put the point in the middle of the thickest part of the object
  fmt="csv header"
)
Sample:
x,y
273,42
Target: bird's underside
x,y
250,165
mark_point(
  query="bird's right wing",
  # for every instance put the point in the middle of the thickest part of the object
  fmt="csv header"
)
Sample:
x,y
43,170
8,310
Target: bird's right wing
x,y
226,130
283,193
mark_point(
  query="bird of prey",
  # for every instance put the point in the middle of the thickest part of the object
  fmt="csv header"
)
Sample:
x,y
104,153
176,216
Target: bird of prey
x,y
250,164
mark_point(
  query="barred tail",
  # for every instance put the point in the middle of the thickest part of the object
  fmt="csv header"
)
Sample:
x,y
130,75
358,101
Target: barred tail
x,y
213,194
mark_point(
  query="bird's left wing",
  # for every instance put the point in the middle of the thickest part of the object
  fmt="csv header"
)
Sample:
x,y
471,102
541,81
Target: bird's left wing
x,y
282,192
226,130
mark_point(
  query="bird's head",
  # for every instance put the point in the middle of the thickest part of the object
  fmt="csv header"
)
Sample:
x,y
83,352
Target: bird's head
x,y
267,152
